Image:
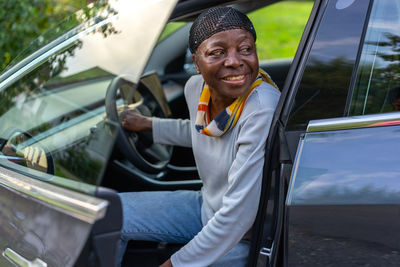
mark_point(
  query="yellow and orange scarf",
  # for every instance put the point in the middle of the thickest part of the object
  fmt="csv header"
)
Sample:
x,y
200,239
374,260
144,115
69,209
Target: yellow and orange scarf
x,y
228,118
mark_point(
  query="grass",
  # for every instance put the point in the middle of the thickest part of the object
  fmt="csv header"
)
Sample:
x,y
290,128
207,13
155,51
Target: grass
x,y
279,28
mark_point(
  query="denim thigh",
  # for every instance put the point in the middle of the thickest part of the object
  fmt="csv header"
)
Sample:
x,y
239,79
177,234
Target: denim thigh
x,y
161,216
169,216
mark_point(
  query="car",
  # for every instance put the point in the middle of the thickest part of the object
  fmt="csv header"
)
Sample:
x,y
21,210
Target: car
x,y
331,180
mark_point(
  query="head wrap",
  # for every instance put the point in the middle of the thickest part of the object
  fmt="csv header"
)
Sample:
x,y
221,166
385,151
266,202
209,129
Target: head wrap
x,y
216,20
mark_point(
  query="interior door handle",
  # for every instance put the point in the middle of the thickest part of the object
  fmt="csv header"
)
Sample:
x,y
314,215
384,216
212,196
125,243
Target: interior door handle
x,y
18,260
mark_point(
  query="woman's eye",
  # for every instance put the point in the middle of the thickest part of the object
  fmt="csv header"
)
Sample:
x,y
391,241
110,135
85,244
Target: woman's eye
x,y
217,53
245,49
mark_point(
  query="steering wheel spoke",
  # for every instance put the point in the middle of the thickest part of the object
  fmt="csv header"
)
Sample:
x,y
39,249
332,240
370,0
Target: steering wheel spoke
x,y
132,137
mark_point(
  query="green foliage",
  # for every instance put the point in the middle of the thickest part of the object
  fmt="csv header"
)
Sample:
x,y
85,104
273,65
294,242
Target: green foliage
x,y
170,28
31,84
23,21
77,164
280,26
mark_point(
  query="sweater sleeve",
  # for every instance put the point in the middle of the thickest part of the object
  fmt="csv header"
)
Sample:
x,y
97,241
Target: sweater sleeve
x,y
178,131
172,132
240,202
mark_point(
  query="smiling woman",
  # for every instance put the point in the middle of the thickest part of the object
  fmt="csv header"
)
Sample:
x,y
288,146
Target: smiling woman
x,y
60,106
231,105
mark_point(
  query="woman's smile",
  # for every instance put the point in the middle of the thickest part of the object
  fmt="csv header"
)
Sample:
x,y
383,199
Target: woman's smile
x,y
234,78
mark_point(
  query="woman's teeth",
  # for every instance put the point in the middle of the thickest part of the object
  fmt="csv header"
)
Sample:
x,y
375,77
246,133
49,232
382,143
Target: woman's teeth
x,y
234,78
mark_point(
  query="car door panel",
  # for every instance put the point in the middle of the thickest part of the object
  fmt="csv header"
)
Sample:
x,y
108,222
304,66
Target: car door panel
x,y
42,223
344,195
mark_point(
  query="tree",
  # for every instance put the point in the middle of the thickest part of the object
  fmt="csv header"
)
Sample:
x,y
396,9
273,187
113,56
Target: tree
x,y
23,21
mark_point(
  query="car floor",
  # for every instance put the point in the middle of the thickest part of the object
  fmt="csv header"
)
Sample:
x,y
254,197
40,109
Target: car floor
x,y
148,254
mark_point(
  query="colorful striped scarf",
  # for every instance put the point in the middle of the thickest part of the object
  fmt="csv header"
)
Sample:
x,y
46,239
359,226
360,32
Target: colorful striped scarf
x,y
228,118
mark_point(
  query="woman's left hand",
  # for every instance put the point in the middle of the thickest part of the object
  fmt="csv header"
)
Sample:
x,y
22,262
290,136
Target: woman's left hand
x,y
167,263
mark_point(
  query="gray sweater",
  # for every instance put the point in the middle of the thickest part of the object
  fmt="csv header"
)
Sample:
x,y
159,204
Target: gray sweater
x,y
230,167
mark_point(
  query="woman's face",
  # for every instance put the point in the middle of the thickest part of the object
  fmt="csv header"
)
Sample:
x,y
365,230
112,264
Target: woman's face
x,y
228,62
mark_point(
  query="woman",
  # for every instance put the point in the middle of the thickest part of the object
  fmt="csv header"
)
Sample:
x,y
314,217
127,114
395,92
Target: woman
x,y
231,104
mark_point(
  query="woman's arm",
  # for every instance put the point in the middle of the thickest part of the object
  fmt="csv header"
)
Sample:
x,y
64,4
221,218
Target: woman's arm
x,y
172,132
165,131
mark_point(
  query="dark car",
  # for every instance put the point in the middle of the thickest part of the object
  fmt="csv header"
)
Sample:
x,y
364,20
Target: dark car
x,y
331,184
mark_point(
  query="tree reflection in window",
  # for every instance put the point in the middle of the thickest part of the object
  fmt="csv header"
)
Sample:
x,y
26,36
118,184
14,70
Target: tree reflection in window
x,y
377,86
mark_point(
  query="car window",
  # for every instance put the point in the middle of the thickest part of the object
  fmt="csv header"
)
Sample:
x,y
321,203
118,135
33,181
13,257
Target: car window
x,y
324,87
69,23
377,87
54,128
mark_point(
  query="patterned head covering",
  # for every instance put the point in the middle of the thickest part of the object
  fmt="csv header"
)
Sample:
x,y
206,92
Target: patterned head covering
x,y
216,20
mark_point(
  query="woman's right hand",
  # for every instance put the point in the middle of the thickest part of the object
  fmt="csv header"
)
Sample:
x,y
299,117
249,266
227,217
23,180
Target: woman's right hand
x,y
133,120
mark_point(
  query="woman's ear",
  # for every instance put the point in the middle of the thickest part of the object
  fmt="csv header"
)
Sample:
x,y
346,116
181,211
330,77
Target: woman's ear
x,y
194,58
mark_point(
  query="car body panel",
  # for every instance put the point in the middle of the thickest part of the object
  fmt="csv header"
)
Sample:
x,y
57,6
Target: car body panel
x,y
344,195
36,215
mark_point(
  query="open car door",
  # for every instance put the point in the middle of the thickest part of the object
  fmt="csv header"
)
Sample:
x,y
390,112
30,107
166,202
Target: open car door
x,y
55,142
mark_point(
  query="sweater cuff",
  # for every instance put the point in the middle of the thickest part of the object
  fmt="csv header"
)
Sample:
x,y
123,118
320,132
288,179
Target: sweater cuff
x,y
156,129
175,261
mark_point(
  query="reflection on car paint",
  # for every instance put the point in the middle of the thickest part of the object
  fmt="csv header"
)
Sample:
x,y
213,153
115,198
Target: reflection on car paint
x,y
344,171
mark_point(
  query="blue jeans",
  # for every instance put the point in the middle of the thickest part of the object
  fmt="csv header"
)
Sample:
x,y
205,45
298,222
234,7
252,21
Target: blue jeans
x,y
173,217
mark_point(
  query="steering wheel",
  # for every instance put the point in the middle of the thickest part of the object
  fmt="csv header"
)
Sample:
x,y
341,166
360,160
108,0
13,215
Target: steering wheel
x,y
23,149
138,147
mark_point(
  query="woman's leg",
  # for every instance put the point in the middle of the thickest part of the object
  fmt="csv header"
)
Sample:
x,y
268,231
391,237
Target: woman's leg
x,y
161,216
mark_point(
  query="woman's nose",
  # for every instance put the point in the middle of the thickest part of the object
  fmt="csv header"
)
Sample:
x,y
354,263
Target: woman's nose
x,y
232,60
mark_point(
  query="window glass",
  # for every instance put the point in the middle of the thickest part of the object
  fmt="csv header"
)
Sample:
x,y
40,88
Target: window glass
x,y
377,88
52,118
53,126
323,89
86,14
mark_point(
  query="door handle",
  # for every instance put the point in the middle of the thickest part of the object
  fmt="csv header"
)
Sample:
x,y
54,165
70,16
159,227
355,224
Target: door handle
x,y
19,260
